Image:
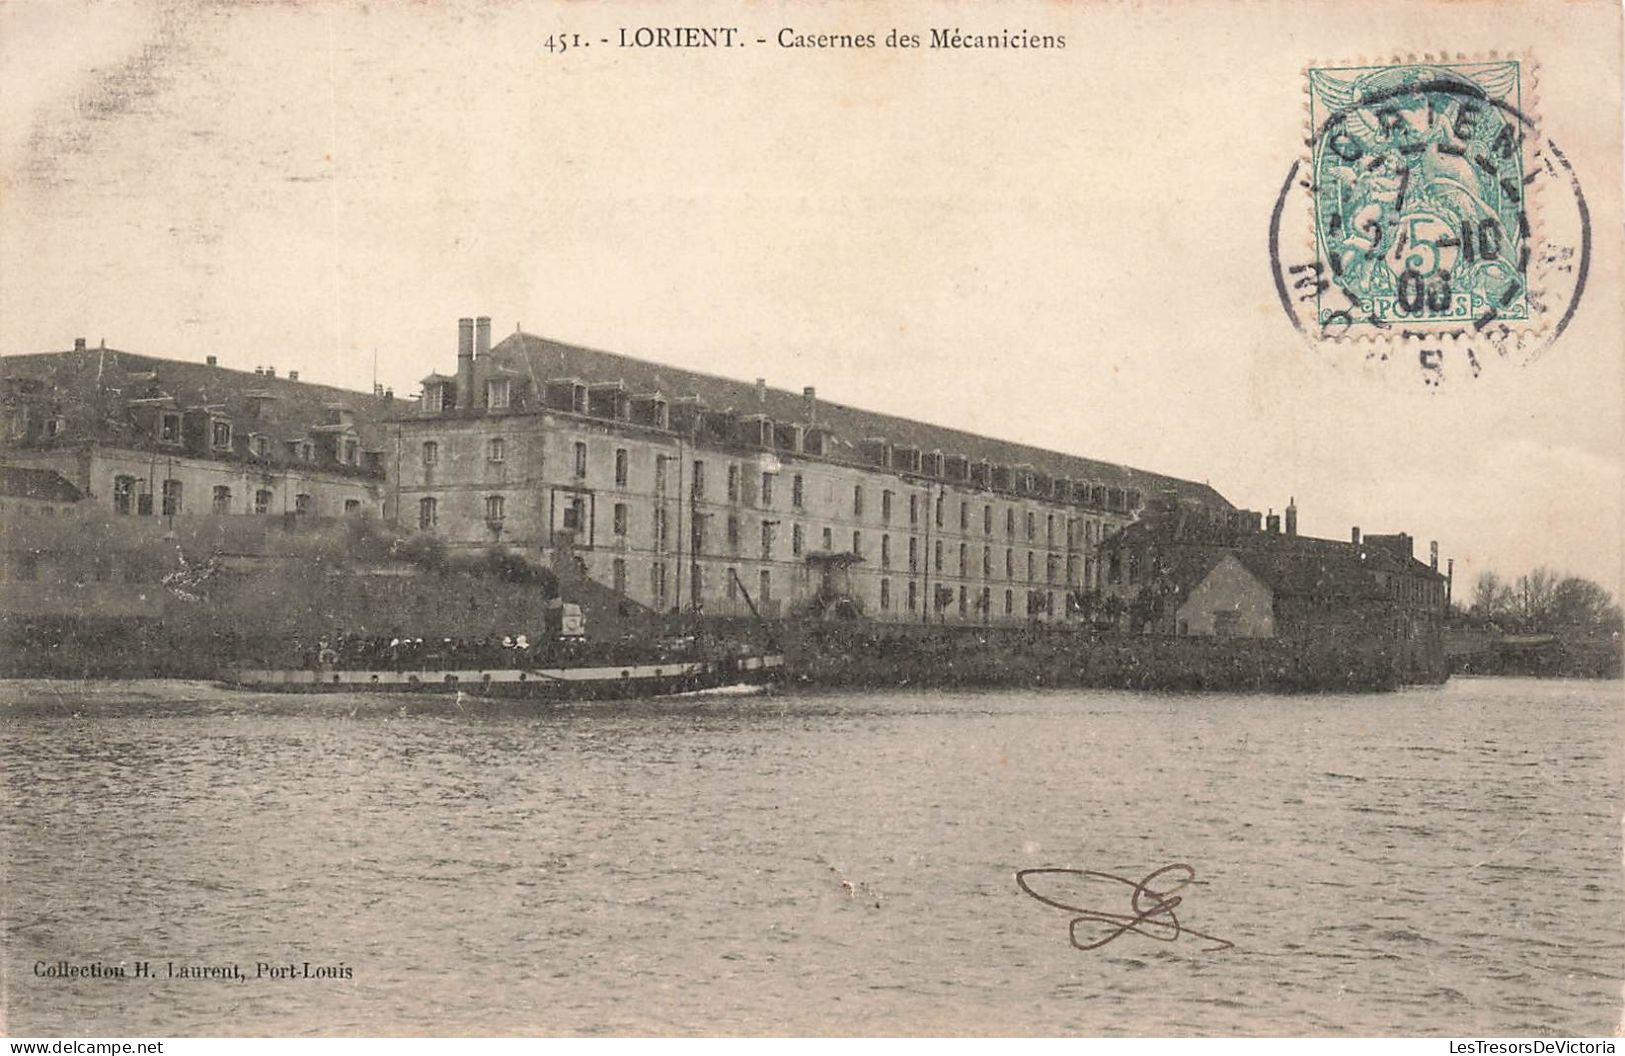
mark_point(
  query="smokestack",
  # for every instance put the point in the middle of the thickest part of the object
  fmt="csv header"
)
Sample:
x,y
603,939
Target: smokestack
x,y
482,336
1433,555
1292,516
1354,535
1449,581
761,390
211,361
809,404
465,362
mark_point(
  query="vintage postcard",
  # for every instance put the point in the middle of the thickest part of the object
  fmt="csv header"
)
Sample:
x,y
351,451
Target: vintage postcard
x,y
919,518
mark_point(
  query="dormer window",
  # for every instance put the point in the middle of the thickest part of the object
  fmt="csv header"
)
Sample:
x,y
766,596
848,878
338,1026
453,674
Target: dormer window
x,y
260,445
352,452
169,428
220,435
497,394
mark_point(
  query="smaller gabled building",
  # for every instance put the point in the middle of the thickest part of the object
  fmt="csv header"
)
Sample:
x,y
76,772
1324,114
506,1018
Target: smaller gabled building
x,y
1171,573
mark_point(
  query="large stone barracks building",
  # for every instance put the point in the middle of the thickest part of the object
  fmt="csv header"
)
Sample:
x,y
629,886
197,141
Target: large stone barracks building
x,y
685,491
142,436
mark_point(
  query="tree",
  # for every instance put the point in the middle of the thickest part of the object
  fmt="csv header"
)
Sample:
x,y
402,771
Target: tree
x,y
1491,597
1578,602
1532,598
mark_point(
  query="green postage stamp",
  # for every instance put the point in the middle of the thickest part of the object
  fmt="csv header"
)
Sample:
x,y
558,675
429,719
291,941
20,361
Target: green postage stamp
x,y
1419,194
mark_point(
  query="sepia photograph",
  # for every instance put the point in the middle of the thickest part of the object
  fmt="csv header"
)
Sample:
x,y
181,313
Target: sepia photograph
x,y
661,520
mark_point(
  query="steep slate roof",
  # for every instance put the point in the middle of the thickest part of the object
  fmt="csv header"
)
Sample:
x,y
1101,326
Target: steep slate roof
x,y
46,485
92,385
545,359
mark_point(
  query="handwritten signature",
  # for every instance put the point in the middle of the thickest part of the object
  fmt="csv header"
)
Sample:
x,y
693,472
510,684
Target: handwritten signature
x,y
1153,901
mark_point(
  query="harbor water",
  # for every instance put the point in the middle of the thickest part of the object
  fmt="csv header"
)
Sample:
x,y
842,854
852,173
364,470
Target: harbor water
x,y
1439,861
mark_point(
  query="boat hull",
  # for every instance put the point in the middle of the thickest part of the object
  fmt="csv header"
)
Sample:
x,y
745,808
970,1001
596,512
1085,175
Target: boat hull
x,y
599,682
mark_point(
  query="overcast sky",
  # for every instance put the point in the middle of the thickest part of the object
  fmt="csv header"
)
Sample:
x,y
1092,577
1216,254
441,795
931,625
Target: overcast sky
x,y
1063,247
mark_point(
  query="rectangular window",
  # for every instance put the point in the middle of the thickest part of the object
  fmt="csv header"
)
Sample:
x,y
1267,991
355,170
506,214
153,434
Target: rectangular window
x,y
581,459
222,499
426,514
660,472
885,551
172,498
1032,525
169,429
766,592
124,495
698,484
733,531
940,500
913,596
352,507
796,493
431,452
857,542
496,449
657,583
857,500
733,483
964,516
1009,563
963,564
304,505
660,527
913,508
262,501
1009,521
618,574
620,518
885,594
1049,530
987,520
987,561
829,541
885,506
496,394
767,489
936,556
913,554
1031,567
796,541
767,540
964,601
620,467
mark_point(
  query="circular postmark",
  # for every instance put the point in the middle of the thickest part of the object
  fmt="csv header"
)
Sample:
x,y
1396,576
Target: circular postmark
x,y
1431,225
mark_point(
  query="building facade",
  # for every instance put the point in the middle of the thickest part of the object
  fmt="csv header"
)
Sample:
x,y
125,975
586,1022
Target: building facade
x,y
684,491
143,436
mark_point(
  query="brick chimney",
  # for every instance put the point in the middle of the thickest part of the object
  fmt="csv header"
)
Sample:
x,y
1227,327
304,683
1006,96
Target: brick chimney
x,y
293,375
211,361
482,336
465,362
1272,523
1292,516
1354,535
809,404
78,344
1433,555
